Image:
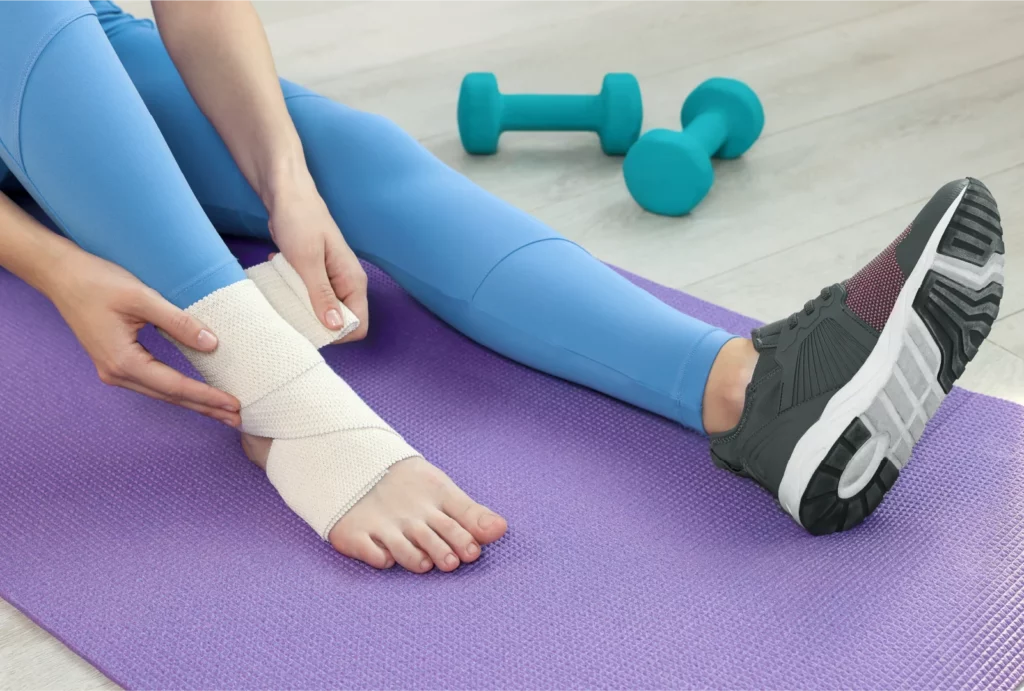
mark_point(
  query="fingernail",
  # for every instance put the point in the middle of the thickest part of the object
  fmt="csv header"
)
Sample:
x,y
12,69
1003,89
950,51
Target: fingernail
x,y
334,319
206,340
451,561
230,407
472,549
425,564
487,520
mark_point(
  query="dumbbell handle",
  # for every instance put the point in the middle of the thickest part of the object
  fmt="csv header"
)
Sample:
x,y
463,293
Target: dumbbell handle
x,y
710,129
540,112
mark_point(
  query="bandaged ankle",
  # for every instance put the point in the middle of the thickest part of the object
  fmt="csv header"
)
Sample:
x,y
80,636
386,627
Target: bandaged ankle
x,y
283,288
329,447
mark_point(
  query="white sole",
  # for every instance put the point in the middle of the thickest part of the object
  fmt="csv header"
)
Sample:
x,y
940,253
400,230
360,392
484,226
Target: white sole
x,y
895,392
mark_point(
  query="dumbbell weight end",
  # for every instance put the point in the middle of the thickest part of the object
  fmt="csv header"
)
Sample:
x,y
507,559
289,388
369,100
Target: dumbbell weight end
x,y
667,173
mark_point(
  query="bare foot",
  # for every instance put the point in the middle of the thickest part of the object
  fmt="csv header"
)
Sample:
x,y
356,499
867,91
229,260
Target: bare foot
x,y
416,516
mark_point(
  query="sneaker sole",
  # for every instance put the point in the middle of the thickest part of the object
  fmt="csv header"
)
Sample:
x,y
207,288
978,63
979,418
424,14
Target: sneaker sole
x,y
845,462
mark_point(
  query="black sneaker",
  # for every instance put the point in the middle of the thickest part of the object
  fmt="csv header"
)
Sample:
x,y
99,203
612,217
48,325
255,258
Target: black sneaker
x,y
843,389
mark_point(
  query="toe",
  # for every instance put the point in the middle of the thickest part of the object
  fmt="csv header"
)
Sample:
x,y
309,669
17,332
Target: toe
x,y
406,553
439,551
464,544
482,523
389,560
362,547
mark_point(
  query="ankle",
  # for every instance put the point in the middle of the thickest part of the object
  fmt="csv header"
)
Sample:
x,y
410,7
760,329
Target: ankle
x,y
256,448
726,389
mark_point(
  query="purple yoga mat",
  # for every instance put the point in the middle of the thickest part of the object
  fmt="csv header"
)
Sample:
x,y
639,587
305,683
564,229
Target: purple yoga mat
x,y
140,535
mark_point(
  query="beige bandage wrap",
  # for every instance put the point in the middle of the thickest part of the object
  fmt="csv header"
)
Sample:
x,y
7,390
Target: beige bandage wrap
x,y
286,292
329,447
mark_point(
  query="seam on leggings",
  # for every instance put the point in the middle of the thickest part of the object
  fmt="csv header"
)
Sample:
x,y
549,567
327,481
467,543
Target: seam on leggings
x,y
676,393
578,354
206,274
294,96
521,247
37,52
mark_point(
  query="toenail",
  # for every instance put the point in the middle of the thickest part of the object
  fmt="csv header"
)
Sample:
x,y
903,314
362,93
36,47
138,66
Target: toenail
x,y
487,520
451,561
472,549
425,564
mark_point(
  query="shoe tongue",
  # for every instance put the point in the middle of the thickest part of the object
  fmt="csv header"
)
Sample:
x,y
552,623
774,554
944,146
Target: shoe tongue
x,y
768,335
766,340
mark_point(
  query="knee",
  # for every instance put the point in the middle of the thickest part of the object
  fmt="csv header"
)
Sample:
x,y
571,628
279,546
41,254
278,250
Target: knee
x,y
529,270
335,133
315,110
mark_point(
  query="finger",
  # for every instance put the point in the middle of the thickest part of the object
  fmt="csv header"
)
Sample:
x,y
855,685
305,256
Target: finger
x,y
349,283
360,307
229,419
178,323
157,376
313,272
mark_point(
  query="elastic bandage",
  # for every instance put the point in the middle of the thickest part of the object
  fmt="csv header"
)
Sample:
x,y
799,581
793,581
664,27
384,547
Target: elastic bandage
x,y
286,292
329,447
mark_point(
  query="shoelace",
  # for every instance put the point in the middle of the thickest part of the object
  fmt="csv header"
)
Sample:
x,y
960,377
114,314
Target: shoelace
x,y
809,306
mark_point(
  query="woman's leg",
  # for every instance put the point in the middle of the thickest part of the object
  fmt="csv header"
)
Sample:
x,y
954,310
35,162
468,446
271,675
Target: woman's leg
x,y
488,269
75,132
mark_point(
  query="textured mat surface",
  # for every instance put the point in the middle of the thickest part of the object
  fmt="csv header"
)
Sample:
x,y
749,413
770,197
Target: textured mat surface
x,y
140,535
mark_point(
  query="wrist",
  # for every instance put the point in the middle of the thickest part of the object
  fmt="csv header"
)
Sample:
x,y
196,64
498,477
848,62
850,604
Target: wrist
x,y
284,179
48,274
31,251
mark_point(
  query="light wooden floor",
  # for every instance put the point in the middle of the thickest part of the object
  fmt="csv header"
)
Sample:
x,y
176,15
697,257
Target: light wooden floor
x,y
870,107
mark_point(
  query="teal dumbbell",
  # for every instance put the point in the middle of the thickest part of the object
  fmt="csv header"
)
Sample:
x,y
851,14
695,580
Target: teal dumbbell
x,y
616,114
669,172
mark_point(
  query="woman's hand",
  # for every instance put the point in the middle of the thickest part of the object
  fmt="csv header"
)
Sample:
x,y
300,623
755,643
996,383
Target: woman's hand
x,y
106,307
222,54
310,240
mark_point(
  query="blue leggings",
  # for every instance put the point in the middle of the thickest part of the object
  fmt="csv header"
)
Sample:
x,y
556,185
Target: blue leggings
x,y
97,125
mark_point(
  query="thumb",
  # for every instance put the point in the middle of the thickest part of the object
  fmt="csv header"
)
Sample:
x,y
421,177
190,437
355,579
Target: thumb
x,y
313,272
178,324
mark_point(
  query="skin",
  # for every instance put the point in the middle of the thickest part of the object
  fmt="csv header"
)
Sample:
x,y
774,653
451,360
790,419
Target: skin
x,y
416,516
726,389
106,307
